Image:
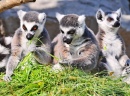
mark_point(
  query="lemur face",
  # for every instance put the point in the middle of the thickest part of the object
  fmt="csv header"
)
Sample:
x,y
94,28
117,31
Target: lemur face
x,y
71,26
32,23
109,19
68,35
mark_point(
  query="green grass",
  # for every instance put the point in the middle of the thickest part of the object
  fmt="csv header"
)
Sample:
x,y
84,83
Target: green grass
x,y
32,79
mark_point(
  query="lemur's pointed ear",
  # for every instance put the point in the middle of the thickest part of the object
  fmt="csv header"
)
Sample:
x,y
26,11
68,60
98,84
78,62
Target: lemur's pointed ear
x,y
59,16
81,19
21,13
41,17
100,14
119,12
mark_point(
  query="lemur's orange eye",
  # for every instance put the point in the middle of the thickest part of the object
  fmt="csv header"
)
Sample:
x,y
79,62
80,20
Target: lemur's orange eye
x,y
24,27
34,28
110,19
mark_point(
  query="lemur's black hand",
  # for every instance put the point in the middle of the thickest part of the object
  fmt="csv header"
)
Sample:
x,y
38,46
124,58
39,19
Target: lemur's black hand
x,y
128,62
65,62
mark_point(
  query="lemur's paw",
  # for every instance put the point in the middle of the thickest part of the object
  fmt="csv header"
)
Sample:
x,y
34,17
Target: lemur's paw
x,y
57,67
128,62
126,71
7,78
33,49
126,79
65,62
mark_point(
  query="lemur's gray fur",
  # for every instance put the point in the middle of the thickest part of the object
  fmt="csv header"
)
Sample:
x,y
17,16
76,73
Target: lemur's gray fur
x,y
31,28
5,44
112,46
76,44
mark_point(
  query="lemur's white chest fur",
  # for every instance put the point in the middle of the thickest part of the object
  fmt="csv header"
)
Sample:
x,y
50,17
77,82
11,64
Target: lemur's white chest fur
x,y
27,45
76,47
112,45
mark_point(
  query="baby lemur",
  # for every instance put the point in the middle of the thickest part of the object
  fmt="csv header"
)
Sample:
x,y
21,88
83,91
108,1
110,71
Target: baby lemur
x,y
31,29
112,46
76,45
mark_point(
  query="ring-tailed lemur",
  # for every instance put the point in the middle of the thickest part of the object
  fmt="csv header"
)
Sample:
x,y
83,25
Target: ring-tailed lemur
x,y
5,44
112,46
31,28
76,45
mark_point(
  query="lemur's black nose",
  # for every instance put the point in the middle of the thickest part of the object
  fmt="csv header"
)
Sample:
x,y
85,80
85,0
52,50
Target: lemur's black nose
x,y
66,40
116,24
29,36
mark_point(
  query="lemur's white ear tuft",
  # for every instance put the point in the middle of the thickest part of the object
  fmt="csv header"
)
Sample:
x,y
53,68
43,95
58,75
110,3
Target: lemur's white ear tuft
x,y
81,19
21,13
41,17
119,12
59,16
100,14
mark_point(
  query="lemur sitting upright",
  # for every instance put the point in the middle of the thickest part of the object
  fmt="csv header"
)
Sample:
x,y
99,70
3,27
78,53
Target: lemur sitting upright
x,y
5,46
76,45
31,28
112,46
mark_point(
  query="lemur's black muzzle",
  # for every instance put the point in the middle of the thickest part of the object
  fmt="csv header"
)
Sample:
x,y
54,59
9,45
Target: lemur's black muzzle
x,y
116,24
29,36
66,40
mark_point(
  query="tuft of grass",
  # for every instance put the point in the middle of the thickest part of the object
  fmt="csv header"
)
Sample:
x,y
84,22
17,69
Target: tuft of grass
x,y
33,79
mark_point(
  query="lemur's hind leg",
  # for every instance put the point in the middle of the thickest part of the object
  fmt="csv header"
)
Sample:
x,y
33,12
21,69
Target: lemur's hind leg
x,y
113,65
